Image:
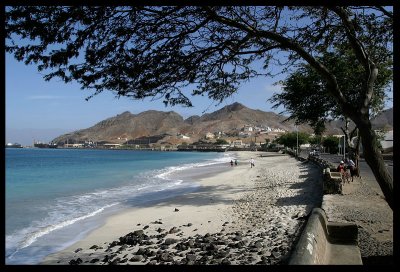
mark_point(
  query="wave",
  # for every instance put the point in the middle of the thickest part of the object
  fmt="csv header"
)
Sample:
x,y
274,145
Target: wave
x,y
167,172
67,210
49,229
32,236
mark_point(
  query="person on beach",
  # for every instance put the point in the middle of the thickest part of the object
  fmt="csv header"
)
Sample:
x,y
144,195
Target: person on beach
x,y
252,163
236,162
352,166
231,163
340,167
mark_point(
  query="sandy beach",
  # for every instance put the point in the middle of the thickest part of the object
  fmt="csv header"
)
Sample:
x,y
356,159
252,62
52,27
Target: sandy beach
x,y
243,215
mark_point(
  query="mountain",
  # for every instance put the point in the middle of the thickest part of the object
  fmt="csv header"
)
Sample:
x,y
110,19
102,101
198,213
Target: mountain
x,y
229,119
236,116
383,120
128,126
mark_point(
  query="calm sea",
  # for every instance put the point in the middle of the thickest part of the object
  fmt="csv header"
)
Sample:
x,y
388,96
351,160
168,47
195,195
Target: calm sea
x,y
54,197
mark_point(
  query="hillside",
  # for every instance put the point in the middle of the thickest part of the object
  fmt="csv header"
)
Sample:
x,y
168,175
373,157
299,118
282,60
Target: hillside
x,y
229,119
383,120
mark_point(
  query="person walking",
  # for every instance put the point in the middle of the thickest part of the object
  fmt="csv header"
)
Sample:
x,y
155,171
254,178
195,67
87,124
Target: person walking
x,y
236,162
231,163
352,166
252,163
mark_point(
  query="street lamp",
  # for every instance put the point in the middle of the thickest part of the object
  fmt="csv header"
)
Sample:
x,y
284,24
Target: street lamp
x,y
344,147
340,145
297,146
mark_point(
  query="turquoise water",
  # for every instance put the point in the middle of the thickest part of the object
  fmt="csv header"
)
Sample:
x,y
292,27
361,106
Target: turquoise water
x,y
56,196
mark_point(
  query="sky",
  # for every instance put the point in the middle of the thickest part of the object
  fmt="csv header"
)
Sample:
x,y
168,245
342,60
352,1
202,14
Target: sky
x,y
42,110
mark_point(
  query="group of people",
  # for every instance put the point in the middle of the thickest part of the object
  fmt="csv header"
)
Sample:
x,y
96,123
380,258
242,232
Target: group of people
x,y
347,164
252,164
236,162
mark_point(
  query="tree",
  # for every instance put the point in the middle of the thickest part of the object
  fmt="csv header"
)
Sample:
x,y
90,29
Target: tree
x,y
331,143
158,51
315,141
315,108
221,142
291,139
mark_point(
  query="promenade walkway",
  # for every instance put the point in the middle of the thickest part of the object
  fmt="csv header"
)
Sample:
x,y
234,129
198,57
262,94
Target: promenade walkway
x,y
364,204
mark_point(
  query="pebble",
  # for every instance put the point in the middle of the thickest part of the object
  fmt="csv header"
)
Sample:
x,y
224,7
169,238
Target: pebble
x,y
262,228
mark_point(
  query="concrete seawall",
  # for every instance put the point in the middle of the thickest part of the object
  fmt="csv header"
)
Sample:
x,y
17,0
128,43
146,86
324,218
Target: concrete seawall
x,y
327,243
353,203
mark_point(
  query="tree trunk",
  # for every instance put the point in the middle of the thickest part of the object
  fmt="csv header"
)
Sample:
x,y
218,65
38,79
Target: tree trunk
x,y
374,159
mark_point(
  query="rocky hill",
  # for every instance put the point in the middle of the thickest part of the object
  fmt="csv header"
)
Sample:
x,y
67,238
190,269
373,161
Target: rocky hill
x,y
128,126
384,120
229,119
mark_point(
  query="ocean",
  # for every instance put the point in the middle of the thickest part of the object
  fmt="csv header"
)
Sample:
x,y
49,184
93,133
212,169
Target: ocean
x,y
54,197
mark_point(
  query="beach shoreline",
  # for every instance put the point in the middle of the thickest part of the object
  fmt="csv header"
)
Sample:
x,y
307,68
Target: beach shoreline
x,y
265,204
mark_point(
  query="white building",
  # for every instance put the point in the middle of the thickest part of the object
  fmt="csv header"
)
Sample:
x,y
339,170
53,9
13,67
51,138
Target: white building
x,y
181,136
237,143
210,135
248,128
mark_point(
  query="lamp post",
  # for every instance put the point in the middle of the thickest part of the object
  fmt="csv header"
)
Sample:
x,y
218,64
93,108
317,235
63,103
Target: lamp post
x,y
344,147
297,146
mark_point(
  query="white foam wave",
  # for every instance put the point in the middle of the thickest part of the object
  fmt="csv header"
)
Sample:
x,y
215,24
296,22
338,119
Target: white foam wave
x,y
46,230
166,172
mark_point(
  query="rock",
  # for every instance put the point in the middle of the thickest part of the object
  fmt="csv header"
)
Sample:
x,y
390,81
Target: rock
x,y
113,244
240,244
190,243
141,251
176,210
189,224
222,253
77,250
173,230
146,227
191,257
123,247
276,254
115,261
258,244
94,260
166,257
136,258
170,241
75,262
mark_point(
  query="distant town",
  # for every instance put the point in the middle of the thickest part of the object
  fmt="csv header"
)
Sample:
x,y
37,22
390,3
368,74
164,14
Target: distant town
x,y
248,137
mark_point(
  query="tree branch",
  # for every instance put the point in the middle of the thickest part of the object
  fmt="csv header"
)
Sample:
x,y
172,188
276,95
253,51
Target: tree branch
x,y
289,44
384,11
359,50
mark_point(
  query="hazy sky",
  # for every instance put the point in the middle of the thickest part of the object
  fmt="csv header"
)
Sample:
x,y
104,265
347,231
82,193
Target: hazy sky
x,y
42,110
